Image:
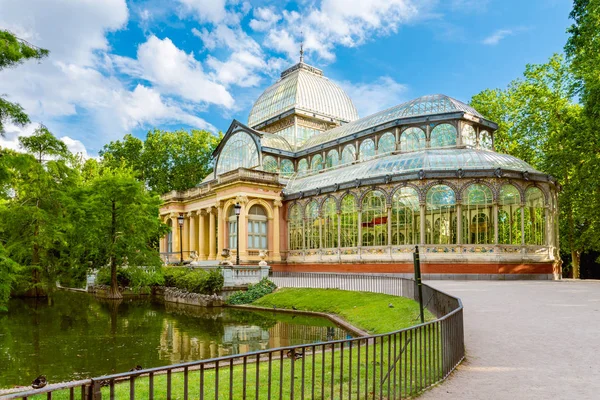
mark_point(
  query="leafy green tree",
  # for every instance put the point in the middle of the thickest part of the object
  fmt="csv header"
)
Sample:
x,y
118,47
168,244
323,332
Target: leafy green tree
x,y
121,223
165,161
540,122
14,51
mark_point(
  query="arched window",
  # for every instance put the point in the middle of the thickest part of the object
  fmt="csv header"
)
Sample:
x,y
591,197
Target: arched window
x,y
374,219
478,215
412,139
287,167
170,237
333,159
296,236
405,217
367,149
240,151
312,225
348,154
469,136
302,167
269,164
349,221
509,215
330,223
257,227
485,140
316,163
441,215
535,217
443,135
387,143
232,228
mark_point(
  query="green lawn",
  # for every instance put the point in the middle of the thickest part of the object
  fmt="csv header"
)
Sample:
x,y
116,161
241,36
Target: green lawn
x,y
368,311
354,369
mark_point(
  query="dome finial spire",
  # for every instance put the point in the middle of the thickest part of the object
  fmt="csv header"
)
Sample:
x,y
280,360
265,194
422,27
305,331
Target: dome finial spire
x,y
302,47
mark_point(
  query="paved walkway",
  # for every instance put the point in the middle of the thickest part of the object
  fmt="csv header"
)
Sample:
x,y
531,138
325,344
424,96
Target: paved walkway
x,y
526,340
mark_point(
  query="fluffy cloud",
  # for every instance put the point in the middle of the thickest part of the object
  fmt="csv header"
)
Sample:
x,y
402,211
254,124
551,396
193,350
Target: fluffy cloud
x,y
338,22
369,98
264,19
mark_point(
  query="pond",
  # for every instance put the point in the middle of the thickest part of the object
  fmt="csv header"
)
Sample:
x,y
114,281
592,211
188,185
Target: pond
x,y
75,336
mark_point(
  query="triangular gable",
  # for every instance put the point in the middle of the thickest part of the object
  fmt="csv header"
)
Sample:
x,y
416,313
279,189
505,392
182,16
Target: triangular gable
x,y
233,128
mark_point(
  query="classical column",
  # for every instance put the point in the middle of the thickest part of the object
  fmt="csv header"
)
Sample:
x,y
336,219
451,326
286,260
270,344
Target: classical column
x,y
495,223
193,229
185,238
397,135
276,233
162,244
212,234
422,223
522,224
201,235
220,229
243,228
175,232
459,226
548,225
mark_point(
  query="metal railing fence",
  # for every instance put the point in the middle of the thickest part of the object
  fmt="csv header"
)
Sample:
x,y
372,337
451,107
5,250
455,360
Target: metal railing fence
x,y
386,366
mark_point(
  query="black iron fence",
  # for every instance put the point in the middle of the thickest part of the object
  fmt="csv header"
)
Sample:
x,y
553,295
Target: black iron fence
x,y
387,366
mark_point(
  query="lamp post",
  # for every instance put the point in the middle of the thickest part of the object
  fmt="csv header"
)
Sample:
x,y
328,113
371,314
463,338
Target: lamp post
x,y
180,221
237,209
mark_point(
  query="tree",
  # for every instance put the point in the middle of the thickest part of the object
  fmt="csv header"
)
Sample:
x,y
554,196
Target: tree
x,y
165,161
121,220
14,51
540,123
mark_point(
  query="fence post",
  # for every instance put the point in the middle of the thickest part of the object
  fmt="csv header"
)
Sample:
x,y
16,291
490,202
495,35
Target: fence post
x,y
95,390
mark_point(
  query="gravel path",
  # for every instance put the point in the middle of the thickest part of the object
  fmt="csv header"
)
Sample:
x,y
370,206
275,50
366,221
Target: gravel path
x,y
526,340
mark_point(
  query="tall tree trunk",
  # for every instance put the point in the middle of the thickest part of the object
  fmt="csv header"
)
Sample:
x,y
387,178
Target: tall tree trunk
x,y
114,286
576,257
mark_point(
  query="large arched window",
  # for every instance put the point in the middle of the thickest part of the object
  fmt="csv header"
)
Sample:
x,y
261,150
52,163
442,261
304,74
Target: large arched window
x,y
535,217
287,167
405,217
240,151
257,227
441,215
316,163
478,215
269,164
302,166
367,149
443,135
333,159
469,136
374,219
348,154
387,143
232,228
330,223
412,139
349,221
296,236
509,215
485,140
312,225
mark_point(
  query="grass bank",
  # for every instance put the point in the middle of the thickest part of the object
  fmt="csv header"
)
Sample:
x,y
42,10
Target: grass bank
x,y
368,311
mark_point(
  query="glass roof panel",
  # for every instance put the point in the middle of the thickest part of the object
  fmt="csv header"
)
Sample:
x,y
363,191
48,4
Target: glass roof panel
x,y
428,160
425,105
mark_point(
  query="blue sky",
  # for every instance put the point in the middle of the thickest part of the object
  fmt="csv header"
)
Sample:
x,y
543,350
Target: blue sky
x,y
120,67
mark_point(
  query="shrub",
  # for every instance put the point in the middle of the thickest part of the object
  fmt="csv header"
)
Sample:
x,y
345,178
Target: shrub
x,y
193,280
254,292
133,277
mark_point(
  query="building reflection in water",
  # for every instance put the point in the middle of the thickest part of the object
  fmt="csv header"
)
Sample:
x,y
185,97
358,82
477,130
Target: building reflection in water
x,y
236,332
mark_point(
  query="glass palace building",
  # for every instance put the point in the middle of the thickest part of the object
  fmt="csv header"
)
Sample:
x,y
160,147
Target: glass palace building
x,y
322,190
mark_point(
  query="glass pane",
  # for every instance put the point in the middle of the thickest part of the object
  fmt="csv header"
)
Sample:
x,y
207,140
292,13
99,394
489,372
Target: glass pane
x,y
443,135
441,215
485,140
348,154
287,167
374,219
316,163
269,164
412,139
469,136
239,151
333,159
367,150
387,143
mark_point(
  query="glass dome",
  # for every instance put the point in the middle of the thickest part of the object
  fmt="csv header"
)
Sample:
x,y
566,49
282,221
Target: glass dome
x,y
427,160
425,105
303,87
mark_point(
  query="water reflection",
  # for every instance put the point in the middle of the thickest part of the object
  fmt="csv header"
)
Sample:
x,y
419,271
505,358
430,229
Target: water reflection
x,y
74,335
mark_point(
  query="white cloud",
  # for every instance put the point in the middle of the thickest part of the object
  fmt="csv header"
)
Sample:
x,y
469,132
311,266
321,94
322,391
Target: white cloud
x,y
497,36
369,98
205,10
347,23
264,19
75,146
